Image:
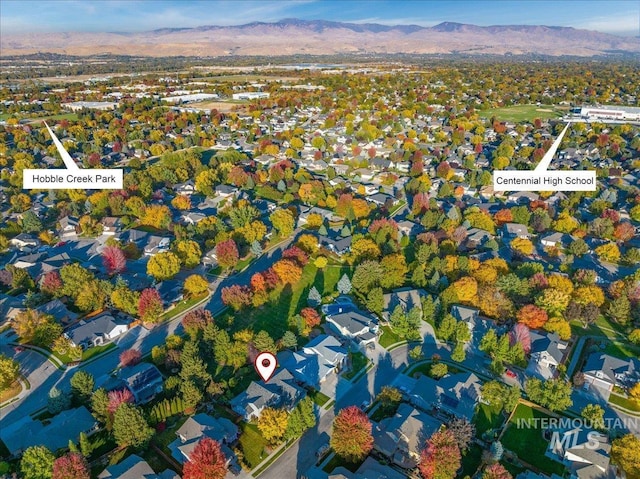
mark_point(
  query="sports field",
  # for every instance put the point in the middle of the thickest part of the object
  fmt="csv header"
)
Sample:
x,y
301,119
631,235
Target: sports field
x,y
519,113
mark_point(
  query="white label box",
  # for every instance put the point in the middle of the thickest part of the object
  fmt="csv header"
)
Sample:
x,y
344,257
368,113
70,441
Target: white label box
x,y
84,179
546,180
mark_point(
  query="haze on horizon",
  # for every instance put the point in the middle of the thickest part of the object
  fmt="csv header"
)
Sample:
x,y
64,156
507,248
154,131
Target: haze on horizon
x,y
616,17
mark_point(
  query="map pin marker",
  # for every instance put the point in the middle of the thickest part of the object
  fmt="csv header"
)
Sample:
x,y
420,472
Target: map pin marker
x,y
265,364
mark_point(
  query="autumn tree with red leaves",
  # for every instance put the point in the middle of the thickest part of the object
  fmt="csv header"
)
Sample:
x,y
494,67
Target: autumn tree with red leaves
x,y
206,461
51,283
352,439
532,316
196,320
70,466
130,357
296,254
150,306
118,397
236,296
520,335
113,260
496,471
311,317
441,458
227,254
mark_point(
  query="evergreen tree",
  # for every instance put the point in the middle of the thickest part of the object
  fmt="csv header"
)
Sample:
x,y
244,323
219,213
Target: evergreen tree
x,y
314,299
447,327
256,249
428,309
459,353
497,450
375,300
344,285
57,401
289,340
85,445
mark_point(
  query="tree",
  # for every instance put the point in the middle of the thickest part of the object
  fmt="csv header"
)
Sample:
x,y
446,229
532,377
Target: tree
x,y
288,271
71,466
150,307
100,405
57,401
51,283
85,445
236,296
438,370
311,318
447,327
625,452
522,246
594,414
458,355
634,393
620,310
608,252
82,384
117,397
163,266
283,221
389,399
554,394
125,299
113,260
263,342
375,300
314,299
227,254
463,432
189,253
130,427
496,471
158,216
196,321
366,276
288,340
394,270
273,424
195,285
441,458
344,285
206,461
351,438
37,328
9,371
37,463
130,357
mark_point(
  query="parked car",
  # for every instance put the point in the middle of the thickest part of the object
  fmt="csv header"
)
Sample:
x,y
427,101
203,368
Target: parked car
x,y
510,374
322,450
365,405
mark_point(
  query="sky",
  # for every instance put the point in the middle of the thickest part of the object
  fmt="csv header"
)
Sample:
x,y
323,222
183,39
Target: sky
x,y
619,17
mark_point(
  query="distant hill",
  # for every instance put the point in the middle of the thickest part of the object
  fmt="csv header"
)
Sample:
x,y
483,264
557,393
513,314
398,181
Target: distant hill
x,y
319,37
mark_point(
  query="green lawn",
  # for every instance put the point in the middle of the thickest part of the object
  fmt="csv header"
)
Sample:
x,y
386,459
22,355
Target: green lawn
x,y
358,362
471,461
86,354
601,327
181,307
319,398
487,417
624,402
517,113
425,369
622,350
253,445
388,337
512,468
529,444
61,116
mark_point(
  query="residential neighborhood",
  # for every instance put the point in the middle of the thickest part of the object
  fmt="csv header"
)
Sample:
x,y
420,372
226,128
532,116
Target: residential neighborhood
x,y
343,220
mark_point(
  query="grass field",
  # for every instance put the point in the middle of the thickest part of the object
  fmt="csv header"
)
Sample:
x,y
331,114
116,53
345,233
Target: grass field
x,y
624,402
388,337
471,461
253,445
221,106
486,418
528,443
519,113
358,361
319,398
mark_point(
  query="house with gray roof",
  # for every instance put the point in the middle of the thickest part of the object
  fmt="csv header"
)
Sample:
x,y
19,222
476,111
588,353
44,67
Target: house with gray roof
x,y
351,323
321,357
557,240
97,331
401,437
406,298
604,371
202,425
547,353
478,326
585,452
515,230
143,380
63,427
134,467
59,311
455,394
281,391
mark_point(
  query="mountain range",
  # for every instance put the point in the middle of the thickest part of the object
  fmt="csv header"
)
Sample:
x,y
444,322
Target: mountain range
x,y
320,37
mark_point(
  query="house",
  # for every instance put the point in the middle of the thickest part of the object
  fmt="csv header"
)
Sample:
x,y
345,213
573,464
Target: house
x,y
401,437
59,311
134,467
478,326
227,191
281,391
335,244
69,227
143,380
321,357
351,323
210,259
97,331
557,240
382,199
111,225
24,242
370,469
522,197
187,188
585,452
455,394
515,230
547,352
202,425
171,291
191,217
10,306
409,228
406,298
156,244
604,371
56,434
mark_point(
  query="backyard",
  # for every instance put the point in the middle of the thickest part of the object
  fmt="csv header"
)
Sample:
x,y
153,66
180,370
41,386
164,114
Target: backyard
x,y
517,113
358,362
528,443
